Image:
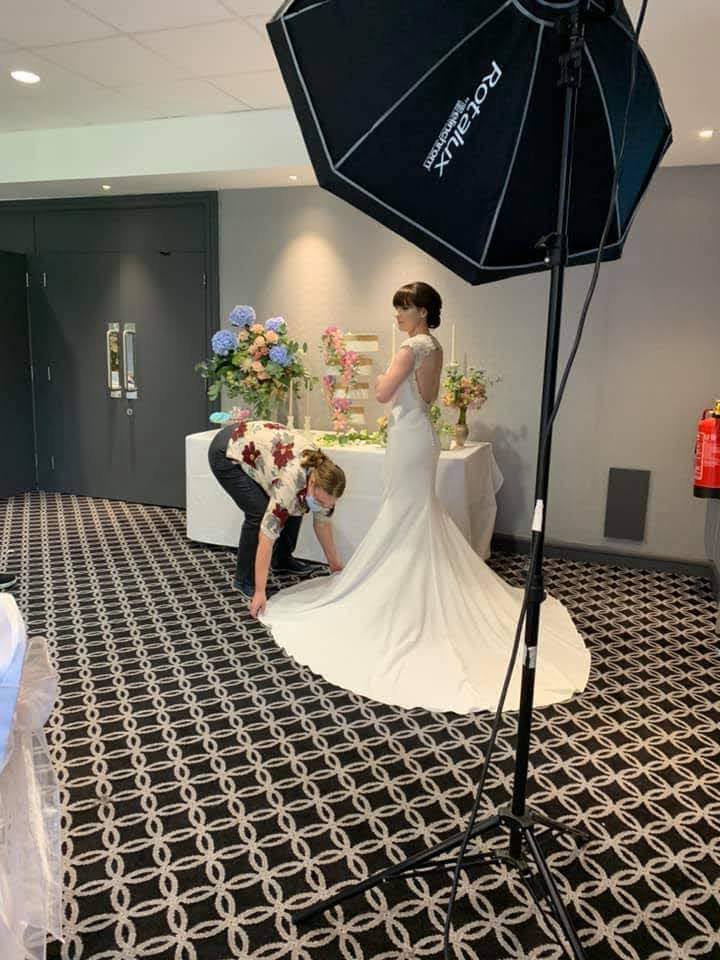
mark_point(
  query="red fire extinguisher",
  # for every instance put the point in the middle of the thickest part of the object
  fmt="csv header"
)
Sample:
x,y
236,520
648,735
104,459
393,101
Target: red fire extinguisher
x,y
707,454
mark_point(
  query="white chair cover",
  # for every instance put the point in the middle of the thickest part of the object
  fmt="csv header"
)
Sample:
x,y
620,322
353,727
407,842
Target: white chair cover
x,y
30,858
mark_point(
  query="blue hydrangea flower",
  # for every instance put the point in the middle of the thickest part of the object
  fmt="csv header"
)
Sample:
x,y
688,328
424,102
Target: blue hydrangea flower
x,y
223,343
242,316
220,416
280,355
275,324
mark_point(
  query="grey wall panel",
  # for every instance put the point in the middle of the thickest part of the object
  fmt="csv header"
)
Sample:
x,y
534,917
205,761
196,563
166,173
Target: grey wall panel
x,y
17,462
152,259
119,230
16,232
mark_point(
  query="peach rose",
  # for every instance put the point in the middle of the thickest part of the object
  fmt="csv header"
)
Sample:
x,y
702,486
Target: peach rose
x,y
271,337
257,366
257,328
263,375
258,342
243,334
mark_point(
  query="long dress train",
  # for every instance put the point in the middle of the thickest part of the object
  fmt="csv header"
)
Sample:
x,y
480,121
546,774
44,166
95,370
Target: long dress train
x,y
416,618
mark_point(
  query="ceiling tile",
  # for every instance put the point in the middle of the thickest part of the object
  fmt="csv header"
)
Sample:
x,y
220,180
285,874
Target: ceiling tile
x,y
182,98
54,80
134,16
261,90
251,8
222,47
115,62
260,25
35,23
96,106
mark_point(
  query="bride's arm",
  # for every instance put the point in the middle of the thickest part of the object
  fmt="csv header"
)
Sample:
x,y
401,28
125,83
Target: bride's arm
x,y
400,369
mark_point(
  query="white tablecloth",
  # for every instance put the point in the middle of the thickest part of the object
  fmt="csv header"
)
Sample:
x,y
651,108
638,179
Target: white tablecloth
x,y
467,482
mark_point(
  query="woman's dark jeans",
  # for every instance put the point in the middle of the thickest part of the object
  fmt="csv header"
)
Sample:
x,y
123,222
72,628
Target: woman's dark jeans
x,y
253,501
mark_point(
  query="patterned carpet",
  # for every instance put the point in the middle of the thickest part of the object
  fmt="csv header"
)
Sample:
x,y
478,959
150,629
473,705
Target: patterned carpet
x,y
210,786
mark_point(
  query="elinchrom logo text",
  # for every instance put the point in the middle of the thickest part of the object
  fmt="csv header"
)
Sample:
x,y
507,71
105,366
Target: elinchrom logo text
x,y
452,135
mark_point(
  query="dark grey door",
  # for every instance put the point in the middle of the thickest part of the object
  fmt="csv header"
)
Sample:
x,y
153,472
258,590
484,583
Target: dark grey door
x,y
120,447
17,473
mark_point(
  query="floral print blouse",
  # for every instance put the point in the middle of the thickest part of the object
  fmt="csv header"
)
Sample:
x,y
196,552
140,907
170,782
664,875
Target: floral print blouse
x,y
266,452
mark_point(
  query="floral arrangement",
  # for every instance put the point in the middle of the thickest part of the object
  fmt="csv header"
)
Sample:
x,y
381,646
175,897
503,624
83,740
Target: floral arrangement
x,y
346,363
375,438
351,438
443,429
465,389
382,429
255,361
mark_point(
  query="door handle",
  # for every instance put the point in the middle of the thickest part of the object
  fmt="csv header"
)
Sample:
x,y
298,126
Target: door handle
x,y
129,358
112,350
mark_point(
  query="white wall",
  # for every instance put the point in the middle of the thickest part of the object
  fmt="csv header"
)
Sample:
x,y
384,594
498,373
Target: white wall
x,y
252,141
649,363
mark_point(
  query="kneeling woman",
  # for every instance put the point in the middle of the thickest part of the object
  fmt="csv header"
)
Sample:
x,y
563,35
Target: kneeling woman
x,y
257,465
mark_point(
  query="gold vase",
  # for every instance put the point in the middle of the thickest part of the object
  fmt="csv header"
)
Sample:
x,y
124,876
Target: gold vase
x,y
461,428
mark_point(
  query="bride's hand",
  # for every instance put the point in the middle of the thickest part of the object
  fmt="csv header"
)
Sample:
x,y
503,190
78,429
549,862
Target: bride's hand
x,y
335,567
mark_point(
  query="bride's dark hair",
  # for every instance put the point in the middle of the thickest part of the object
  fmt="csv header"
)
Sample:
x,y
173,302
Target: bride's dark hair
x,y
419,295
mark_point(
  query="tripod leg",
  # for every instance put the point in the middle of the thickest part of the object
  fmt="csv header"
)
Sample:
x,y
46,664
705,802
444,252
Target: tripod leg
x,y
557,827
425,856
558,907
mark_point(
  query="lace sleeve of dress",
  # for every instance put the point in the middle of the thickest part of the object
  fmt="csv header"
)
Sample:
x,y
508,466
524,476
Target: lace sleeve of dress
x,y
422,346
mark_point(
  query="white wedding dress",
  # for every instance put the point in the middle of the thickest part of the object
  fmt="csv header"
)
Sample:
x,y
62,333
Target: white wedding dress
x,y
416,618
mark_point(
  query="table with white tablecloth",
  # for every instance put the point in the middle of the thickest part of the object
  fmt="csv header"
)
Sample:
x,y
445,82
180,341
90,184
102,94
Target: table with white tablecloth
x,y
467,480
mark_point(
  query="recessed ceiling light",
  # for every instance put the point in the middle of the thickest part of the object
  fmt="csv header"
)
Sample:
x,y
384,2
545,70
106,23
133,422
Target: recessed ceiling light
x,y
24,76
706,134
292,177
106,187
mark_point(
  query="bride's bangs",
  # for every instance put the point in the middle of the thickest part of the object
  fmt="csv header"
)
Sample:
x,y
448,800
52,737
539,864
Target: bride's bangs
x,y
404,297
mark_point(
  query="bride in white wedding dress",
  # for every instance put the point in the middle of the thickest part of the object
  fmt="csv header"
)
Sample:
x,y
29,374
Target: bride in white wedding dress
x,y
416,618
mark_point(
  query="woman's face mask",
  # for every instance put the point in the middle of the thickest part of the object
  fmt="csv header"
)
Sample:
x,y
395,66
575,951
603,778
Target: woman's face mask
x,y
315,504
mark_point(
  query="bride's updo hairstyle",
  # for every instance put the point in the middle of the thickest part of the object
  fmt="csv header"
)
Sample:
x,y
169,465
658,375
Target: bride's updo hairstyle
x,y
326,474
420,295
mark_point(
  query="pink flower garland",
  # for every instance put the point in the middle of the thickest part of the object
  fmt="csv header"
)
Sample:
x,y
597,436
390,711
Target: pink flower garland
x,y
346,362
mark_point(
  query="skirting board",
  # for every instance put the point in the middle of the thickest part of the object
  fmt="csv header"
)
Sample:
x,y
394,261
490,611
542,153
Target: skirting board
x,y
715,580
507,543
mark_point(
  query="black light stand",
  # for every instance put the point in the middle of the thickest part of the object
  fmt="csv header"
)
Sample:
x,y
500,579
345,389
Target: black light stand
x,y
524,848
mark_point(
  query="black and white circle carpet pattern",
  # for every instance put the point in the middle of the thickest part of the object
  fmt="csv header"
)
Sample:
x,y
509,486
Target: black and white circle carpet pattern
x,y
210,786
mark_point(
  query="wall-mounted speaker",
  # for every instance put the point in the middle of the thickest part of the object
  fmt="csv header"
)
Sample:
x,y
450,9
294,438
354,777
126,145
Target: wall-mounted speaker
x,y
626,506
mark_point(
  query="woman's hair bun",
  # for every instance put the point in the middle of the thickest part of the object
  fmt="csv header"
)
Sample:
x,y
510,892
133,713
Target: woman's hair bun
x,y
312,458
